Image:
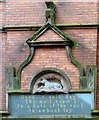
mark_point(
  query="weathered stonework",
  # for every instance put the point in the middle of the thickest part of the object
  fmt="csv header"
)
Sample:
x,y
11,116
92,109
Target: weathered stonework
x,y
18,24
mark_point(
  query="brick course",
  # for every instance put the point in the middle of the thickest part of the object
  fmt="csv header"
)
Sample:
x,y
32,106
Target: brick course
x,y
33,13
2,13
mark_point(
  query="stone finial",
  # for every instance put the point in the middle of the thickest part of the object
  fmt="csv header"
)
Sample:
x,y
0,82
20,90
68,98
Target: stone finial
x,y
50,12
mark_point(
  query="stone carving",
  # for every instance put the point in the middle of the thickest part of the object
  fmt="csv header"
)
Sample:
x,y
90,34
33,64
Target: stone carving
x,y
90,82
9,73
49,86
12,83
50,82
50,12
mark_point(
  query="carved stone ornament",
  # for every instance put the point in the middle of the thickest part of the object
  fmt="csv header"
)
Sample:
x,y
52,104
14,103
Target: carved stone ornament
x,y
49,85
9,78
91,77
50,82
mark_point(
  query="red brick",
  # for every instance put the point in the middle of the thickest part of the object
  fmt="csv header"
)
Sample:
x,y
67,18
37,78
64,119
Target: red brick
x,y
15,50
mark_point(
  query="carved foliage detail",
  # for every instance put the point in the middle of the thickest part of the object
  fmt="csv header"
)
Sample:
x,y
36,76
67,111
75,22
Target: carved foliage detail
x,y
91,77
90,82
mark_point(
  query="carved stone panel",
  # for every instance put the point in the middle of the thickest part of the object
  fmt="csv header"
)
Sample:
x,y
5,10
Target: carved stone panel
x,y
91,77
12,82
9,73
50,82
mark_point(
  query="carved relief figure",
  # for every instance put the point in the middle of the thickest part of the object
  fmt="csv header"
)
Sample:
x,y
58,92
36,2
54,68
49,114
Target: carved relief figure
x,y
50,86
50,82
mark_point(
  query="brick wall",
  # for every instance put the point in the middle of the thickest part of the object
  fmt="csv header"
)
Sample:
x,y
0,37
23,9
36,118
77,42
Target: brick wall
x,y
50,57
2,13
1,70
86,52
26,12
98,71
15,50
87,40
2,37
98,59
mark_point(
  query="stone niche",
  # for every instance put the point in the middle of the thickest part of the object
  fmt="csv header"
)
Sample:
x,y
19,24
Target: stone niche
x,y
50,80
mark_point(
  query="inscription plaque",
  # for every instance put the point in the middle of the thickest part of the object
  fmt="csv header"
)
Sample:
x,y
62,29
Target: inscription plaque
x,y
50,104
